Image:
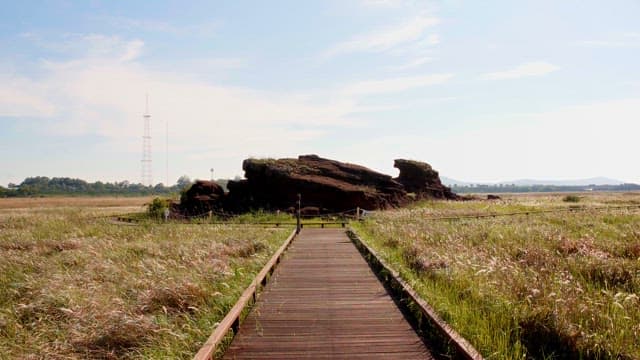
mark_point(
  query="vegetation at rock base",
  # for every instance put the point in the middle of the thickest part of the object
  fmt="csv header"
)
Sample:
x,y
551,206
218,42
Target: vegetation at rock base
x,y
156,208
74,285
559,285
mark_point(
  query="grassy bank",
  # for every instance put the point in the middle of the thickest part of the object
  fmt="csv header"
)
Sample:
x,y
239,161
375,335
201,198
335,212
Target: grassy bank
x,y
559,285
74,285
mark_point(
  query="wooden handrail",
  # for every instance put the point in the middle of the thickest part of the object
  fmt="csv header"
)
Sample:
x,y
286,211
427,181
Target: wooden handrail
x,y
232,319
262,223
463,348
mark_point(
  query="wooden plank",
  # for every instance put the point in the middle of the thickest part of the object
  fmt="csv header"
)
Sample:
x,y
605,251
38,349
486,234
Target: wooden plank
x,y
232,318
325,302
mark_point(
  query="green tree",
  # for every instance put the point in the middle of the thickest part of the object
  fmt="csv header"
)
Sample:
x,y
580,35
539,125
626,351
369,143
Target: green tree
x,y
183,182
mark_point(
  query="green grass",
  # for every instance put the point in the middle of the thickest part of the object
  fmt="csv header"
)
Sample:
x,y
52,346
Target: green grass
x,y
74,285
555,285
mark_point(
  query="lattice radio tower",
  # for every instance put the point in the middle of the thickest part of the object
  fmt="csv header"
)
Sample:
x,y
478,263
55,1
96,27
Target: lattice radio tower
x,y
147,177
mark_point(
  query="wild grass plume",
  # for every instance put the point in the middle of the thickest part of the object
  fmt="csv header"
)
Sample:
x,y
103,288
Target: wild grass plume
x,y
558,285
74,285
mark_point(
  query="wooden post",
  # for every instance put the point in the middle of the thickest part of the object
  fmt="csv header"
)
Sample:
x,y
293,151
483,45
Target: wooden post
x,y
298,224
236,325
358,213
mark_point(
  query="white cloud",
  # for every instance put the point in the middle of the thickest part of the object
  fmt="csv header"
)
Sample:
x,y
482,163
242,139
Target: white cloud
x,y
538,68
107,99
88,46
132,50
384,39
206,29
397,84
101,46
432,39
413,63
382,3
102,93
21,97
219,63
393,4
626,40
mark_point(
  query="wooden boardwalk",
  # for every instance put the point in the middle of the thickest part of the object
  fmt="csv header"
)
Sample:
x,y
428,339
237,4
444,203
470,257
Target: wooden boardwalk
x,y
325,302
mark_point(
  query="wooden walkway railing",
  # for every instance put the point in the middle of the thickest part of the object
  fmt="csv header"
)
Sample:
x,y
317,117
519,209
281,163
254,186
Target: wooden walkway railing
x,y
459,347
232,320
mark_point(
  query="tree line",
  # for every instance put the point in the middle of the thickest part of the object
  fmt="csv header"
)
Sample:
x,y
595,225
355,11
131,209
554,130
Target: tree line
x,y
512,188
44,186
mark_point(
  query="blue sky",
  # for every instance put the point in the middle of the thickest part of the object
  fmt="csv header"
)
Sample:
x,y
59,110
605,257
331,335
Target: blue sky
x,y
482,90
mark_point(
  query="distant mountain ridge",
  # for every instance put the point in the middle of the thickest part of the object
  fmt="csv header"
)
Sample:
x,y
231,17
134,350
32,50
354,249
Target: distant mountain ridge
x,y
579,182
527,182
449,181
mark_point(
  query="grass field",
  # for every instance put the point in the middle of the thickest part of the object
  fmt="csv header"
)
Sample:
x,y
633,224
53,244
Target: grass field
x,y
75,285
562,285
557,285
96,202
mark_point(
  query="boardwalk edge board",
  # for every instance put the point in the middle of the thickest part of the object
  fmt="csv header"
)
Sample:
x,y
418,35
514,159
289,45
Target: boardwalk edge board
x,y
463,349
232,319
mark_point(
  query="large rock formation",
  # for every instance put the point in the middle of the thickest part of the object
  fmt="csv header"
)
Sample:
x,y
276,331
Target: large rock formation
x,y
328,185
322,183
420,179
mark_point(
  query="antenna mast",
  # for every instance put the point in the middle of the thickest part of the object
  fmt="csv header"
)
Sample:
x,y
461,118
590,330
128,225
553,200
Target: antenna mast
x,y
167,153
147,178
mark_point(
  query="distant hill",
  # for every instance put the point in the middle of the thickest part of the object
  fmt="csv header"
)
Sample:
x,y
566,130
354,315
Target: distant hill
x,y
528,182
579,182
449,181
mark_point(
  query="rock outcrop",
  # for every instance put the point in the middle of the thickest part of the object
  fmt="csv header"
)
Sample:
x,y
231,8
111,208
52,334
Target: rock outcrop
x,y
328,185
420,179
201,197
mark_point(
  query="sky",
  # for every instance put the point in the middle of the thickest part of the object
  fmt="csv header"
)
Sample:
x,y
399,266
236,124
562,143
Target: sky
x,y
482,90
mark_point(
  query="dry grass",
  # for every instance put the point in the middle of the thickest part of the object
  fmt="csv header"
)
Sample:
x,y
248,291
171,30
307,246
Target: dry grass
x,y
71,201
74,286
560,285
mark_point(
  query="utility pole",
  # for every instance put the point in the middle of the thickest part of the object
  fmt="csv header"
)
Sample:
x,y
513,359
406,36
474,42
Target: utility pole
x,y
146,178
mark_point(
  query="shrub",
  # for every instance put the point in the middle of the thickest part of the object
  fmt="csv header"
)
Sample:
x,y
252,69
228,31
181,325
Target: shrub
x,y
571,198
157,207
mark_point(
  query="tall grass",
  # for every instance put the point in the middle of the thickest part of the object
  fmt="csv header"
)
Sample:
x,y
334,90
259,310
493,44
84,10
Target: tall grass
x,y
558,285
74,285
